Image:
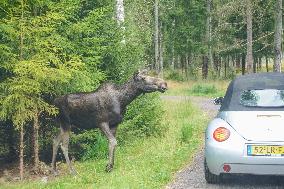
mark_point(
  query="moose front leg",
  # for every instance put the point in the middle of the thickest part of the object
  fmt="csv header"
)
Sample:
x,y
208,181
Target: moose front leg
x,y
112,144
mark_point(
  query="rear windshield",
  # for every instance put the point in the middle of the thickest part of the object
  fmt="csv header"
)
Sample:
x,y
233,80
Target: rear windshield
x,y
263,98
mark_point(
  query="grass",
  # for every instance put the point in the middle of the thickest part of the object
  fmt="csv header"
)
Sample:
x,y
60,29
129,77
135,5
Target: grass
x,y
198,88
145,163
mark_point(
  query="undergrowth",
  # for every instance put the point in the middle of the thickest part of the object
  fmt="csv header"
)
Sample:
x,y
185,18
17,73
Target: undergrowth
x,y
204,89
198,88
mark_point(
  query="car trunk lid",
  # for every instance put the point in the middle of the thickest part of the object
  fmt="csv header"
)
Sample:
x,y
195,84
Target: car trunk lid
x,y
265,126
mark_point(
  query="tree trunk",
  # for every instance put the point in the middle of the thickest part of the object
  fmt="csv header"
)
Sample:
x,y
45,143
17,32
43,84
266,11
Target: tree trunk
x,y
226,62
173,60
120,12
36,145
231,63
260,64
266,64
21,154
173,46
156,40
182,64
161,51
186,65
209,36
120,16
249,37
254,64
219,66
215,62
243,64
178,66
205,67
190,64
278,37
238,61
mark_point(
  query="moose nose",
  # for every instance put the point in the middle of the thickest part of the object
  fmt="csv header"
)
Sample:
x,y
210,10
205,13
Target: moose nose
x,y
164,86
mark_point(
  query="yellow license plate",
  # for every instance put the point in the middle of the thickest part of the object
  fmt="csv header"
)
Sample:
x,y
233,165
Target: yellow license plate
x,y
259,150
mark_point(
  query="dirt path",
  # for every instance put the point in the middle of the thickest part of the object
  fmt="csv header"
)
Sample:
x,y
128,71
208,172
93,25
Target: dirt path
x,y
192,176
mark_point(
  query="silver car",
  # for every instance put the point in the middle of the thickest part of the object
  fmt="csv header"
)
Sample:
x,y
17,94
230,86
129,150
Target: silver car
x,y
247,135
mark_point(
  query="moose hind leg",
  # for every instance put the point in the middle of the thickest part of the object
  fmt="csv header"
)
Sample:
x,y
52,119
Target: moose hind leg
x,y
64,148
112,144
56,141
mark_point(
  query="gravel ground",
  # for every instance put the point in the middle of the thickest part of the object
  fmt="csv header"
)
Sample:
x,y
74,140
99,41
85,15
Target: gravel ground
x,y
192,176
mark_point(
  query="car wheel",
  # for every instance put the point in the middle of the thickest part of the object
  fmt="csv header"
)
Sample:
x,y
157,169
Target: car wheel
x,y
209,177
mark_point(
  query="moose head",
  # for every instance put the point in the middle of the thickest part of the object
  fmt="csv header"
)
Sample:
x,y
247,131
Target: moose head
x,y
148,84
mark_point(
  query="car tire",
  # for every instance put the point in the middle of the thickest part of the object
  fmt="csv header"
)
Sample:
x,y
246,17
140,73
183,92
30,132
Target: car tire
x,y
209,177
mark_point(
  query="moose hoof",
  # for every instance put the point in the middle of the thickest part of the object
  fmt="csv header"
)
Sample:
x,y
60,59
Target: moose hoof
x,y
109,168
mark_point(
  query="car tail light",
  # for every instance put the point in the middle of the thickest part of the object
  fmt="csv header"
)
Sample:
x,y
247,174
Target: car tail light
x,y
221,134
227,168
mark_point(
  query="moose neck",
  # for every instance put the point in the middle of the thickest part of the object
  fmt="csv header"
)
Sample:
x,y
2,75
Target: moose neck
x,y
128,92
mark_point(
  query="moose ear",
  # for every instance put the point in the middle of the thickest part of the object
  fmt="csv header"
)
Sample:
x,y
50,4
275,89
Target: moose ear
x,y
139,75
136,76
144,72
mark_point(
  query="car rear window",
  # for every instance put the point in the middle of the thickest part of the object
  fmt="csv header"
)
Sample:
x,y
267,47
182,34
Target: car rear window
x,y
262,98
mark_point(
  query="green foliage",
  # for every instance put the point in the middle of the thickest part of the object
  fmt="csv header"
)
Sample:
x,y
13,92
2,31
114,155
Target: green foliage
x,y
5,134
184,34
186,133
174,75
185,27
204,89
123,58
89,145
231,74
143,118
47,64
72,46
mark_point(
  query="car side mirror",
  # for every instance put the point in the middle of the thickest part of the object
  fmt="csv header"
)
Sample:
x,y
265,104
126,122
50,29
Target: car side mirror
x,y
218,100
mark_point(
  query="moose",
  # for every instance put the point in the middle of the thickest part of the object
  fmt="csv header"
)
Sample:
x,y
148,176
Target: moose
x,y
104,109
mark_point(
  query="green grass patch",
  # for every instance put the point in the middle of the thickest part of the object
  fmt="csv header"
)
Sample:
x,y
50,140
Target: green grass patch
x,y
186,132
208,90
149,162
197,88
204,89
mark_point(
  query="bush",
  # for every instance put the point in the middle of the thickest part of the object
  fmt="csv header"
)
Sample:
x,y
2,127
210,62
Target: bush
x,y
89,144
175,76
143,118
204,89
231,74
84,144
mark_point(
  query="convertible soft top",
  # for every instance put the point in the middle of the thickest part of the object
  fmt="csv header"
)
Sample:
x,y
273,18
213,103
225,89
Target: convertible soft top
x,y
231,101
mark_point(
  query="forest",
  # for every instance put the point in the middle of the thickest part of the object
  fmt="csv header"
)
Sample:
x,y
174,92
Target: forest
x,y
54,47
